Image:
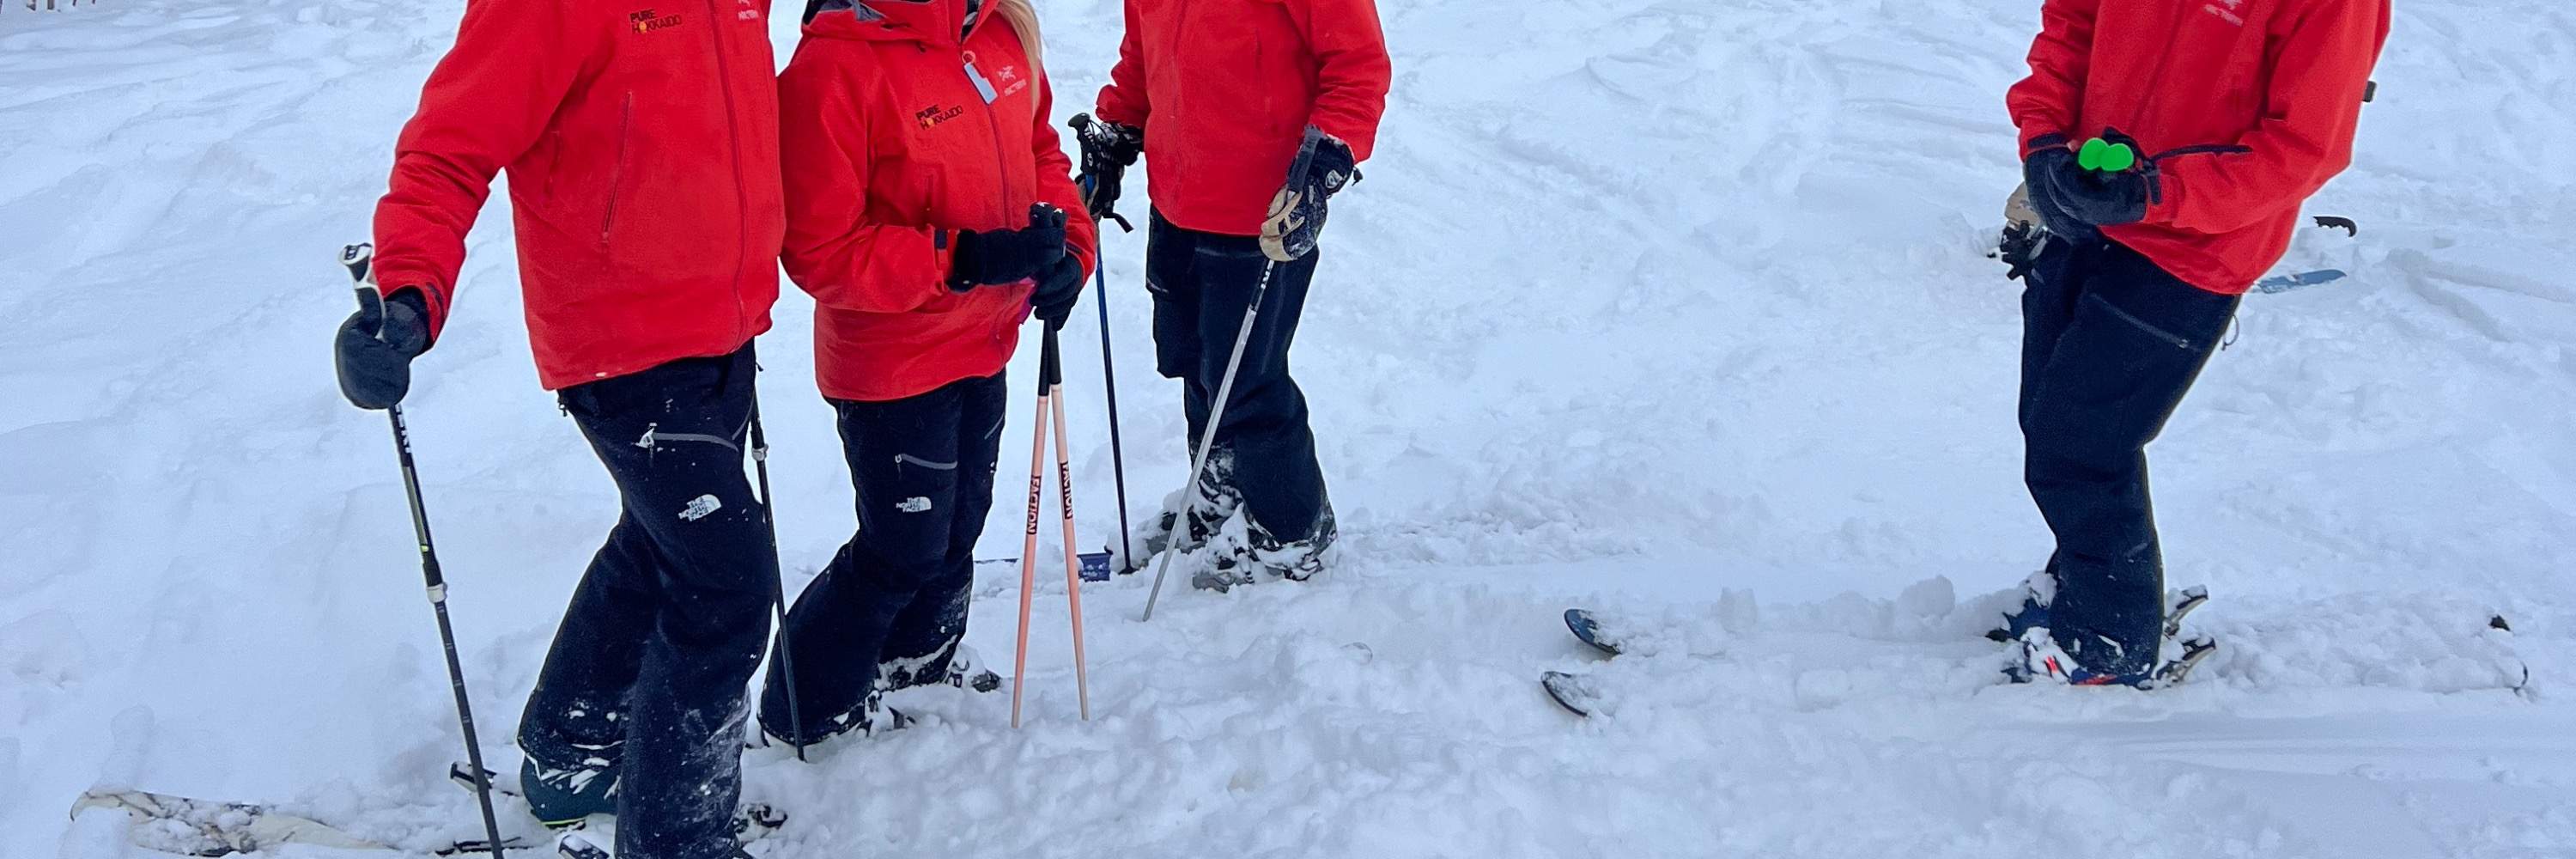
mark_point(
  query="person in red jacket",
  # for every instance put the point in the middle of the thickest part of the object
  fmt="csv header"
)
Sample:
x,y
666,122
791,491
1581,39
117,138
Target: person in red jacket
x,y
2203,126
1217,98
642,148
930,206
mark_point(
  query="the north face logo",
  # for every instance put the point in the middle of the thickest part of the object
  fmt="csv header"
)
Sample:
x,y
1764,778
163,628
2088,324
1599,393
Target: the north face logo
x,y
647,20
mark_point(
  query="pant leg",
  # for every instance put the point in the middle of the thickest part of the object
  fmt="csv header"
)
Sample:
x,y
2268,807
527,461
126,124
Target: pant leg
x,y
672,437
2135,342
924,635
1171,277
1265,425
575,716
904,460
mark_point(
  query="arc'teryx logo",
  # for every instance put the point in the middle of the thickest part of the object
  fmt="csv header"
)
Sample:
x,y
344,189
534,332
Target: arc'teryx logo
x,y
646,20
930,117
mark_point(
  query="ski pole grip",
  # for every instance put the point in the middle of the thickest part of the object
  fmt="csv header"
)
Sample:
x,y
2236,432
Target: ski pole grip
x,y
1050,361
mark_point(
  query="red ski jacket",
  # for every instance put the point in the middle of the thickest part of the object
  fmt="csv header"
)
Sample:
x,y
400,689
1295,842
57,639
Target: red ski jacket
x,y
642,146
1224,89
2282,78
898,133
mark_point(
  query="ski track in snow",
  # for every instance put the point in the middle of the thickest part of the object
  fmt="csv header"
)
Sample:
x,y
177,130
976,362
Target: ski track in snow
x,y
1670,308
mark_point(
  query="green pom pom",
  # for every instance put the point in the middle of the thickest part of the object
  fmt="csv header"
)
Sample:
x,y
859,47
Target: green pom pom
x,y
2106,156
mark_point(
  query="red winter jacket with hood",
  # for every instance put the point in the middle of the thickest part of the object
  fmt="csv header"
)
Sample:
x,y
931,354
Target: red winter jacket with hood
x,y
1225,88
642,146
2282,78
898,133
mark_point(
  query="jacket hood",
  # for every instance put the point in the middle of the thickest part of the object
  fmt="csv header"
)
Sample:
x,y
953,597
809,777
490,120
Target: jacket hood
x,y
935,22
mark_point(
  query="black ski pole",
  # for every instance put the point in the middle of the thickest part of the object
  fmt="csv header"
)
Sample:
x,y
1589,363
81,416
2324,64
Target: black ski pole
x,y
1109,380
778,584
360,259
1225,388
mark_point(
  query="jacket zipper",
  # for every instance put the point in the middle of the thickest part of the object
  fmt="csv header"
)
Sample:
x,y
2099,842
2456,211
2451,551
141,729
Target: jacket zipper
x,y
718,25
617,169
987,93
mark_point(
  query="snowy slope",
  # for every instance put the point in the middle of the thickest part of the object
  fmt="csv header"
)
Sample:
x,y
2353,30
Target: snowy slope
x,y
1668,307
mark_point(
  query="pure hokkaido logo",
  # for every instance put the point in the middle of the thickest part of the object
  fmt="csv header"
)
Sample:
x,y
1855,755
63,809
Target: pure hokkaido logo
x,y
930,117
646,20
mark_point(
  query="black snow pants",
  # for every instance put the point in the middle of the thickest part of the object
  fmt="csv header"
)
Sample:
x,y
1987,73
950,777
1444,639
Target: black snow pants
x,y
2110,344
648,668
1201,283
892,604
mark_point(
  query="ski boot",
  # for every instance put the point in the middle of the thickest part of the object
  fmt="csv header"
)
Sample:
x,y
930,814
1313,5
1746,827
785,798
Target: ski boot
x,y
565,796
2042,660
1250,554
964,669
2036,593
1193,515
2040,590
865,720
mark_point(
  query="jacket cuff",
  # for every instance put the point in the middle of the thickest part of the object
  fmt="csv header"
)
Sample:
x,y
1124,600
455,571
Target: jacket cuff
x,y
433,300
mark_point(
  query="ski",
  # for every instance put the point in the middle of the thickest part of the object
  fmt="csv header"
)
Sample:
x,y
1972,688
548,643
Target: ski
x,y
755,821
2193,651
200,827
1574,692
1587,629
2281,283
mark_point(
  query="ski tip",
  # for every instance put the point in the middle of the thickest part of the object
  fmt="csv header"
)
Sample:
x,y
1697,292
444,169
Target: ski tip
x,y
1587,629
1570,691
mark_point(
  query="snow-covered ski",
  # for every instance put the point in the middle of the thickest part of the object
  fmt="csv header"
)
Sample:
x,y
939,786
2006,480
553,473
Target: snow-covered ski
x,y
1588,629
1574,692
199,827
2281,283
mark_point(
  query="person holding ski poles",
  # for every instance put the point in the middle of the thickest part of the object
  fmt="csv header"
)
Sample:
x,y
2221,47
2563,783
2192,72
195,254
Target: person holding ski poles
x,y
2167,167
930,208
1217,99
643,162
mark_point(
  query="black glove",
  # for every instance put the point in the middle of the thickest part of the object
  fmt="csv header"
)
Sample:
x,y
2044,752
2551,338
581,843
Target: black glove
x,y
1008,256
2100,198
2020,249
1297,214
1059,287
2040,163
375,347
1108,149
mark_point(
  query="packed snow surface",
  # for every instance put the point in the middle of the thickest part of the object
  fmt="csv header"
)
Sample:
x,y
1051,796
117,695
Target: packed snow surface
x,y
1674,309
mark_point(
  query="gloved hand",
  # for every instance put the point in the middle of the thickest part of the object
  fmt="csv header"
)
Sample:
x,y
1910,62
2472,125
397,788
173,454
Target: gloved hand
x,y
2096,196
1108,149
1008,256
375,347
1059,287
1297,213
2046,156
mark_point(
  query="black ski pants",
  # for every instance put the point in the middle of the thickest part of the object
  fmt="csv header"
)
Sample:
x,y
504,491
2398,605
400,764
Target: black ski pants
x,y
1201,283
648,669
892,604
2110,344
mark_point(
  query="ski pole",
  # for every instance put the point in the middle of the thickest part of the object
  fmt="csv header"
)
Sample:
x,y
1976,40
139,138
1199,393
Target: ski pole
x,y
1108,369
1029,549
1225,387
1109,382
778,584
1051,373
360,259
